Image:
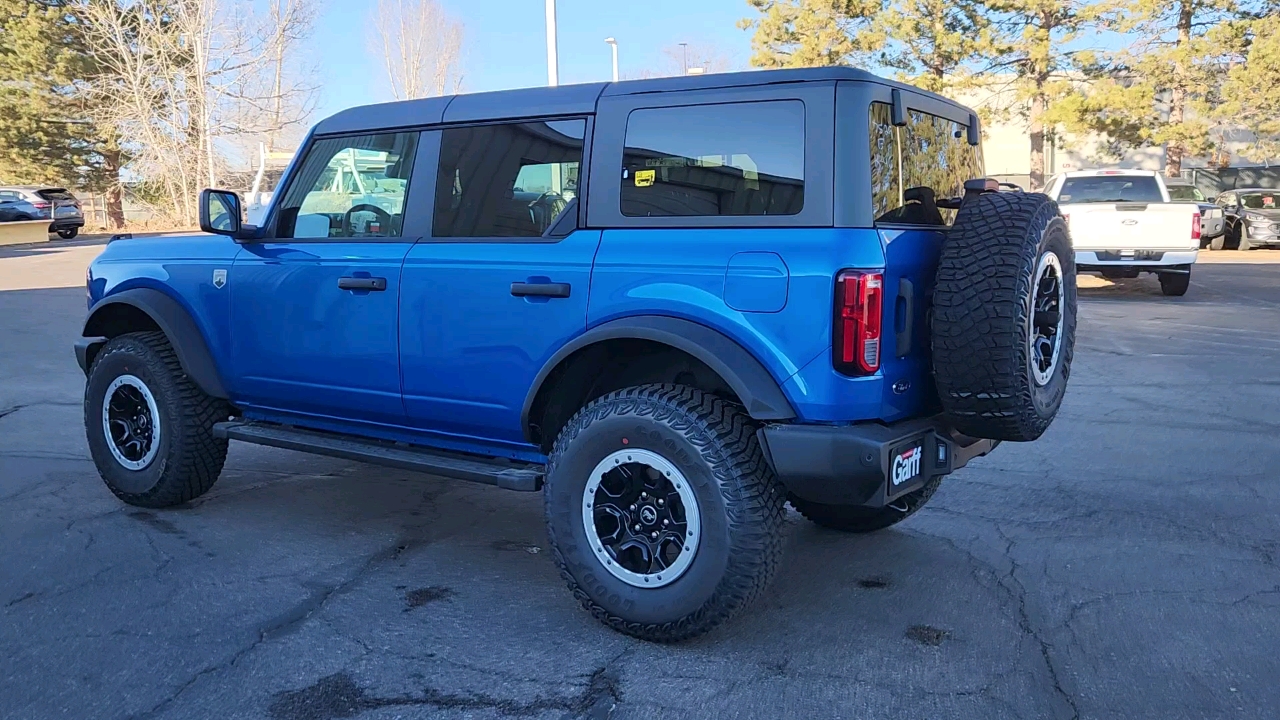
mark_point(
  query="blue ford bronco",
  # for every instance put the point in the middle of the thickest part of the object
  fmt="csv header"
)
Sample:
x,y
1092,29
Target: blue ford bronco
x,y
672,306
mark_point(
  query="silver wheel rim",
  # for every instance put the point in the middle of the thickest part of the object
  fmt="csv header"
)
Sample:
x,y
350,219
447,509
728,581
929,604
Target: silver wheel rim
x,y
628,496
1045,331
131,422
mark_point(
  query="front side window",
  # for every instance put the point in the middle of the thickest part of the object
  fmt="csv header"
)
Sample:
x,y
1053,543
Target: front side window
x,y
914,166
350,187
714,160
514,180
1110,189
1185,192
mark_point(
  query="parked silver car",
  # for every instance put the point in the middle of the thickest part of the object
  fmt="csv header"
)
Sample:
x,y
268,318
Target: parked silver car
x,y
1212,219
55,204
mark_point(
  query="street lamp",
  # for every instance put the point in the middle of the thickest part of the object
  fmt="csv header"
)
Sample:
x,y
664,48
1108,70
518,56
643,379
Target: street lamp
x,y
613,44
553,64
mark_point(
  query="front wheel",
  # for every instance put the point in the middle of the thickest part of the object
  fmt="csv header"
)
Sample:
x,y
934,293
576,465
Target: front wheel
x,y
150,428
1244,238
663,514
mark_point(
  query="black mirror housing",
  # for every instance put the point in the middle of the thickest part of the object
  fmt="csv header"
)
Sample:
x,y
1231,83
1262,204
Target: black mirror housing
x,y
221,212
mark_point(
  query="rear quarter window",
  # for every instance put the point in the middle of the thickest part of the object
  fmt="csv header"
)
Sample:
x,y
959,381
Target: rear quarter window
x,y
729,159
913,166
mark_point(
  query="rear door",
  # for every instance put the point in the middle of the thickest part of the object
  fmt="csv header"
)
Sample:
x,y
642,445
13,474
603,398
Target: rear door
x,y
912,166
502,280
315,308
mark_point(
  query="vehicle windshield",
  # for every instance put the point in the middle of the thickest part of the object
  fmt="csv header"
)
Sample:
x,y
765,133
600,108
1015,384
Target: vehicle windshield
x,y
1259,201
1185,192
1111,188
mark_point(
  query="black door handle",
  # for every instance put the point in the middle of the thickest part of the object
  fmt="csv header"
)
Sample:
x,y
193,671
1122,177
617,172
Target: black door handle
x,y
550,289
372,284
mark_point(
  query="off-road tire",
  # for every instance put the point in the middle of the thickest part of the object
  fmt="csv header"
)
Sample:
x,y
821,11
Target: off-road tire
x,y
741,503
982,314
1175,284
69,233
856,519
189,458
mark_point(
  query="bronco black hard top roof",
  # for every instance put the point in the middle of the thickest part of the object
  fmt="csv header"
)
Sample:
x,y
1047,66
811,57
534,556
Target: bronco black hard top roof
x,y
571,99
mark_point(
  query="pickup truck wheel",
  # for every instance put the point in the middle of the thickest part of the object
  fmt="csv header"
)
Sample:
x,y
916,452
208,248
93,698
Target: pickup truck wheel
x,y
1004,319
857,519
664,517
1175,284
150,428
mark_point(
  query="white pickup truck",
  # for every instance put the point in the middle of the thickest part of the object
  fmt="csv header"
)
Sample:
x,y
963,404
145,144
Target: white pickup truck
x,y
1122,223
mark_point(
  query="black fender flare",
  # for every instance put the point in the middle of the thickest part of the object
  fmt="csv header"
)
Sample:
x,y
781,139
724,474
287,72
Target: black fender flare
x,y
173,320
760,393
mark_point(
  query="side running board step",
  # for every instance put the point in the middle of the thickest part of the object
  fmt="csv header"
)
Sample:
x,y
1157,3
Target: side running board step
x,y
509,474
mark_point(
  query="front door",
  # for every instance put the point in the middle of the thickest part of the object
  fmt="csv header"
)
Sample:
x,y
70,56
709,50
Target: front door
x,y
501,284
314,309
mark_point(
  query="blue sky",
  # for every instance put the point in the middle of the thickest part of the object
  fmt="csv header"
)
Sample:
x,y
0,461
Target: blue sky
x,y
505,42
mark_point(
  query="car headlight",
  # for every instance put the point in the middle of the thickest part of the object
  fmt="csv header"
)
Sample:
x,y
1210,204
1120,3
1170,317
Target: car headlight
x,y
1255,217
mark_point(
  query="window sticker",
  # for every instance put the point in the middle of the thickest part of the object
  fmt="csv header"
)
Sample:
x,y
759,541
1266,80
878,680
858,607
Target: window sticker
x,y
645,178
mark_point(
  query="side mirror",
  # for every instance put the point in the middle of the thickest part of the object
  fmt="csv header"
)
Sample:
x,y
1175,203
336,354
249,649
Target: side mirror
x,y
220,212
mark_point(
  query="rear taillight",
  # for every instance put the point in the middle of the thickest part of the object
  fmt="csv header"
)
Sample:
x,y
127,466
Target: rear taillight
x,y
856,335
1195,226
41,205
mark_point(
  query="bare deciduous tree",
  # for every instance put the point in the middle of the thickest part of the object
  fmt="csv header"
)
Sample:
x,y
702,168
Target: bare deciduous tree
x,y
184,82
421,48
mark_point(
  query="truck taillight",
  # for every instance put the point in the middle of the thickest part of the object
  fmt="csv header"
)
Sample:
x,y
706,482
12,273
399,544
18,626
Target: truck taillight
x,y
1195,226
856,335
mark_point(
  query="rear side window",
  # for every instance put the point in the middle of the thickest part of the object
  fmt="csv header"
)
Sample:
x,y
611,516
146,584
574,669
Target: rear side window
x,y
512,180
1110,188
913,166
730,159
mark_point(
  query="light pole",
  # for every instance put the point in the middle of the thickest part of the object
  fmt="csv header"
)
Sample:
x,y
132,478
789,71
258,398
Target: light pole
x,y
613,44
553,63
684,59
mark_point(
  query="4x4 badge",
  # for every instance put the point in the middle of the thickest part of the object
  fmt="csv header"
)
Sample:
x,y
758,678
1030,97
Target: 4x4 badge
x,y
219,278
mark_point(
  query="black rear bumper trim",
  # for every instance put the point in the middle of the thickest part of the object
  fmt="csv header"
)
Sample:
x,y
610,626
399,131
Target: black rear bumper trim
x,y
852,464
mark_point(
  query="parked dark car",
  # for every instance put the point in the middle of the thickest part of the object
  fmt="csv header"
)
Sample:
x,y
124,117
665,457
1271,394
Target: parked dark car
x,y
1253,218
55,204
1212,221
13,209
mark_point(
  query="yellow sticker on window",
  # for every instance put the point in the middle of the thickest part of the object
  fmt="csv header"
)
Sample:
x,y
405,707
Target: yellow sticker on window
x,y
645,178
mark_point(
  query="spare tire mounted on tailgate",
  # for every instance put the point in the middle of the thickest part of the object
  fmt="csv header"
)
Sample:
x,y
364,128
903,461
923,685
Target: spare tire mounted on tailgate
x,y
1004,319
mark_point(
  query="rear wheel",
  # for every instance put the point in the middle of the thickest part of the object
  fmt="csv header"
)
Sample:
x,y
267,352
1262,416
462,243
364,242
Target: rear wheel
x,y
68,233
858,519
663,515
1218,242
1004,317
1175,284
150,428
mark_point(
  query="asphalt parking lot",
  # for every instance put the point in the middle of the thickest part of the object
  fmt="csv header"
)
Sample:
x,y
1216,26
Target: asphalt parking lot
x,y
1125,566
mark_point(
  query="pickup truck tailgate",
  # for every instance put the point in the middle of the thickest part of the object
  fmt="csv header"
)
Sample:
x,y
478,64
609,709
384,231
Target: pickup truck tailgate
x,y
1132,226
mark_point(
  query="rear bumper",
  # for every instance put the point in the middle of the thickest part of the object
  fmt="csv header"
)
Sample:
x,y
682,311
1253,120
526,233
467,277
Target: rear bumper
x,y
862,464
66,223
1134,258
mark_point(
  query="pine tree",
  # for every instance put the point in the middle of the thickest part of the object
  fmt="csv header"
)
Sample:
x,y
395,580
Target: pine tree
x,y
1251,95
45,137
810,33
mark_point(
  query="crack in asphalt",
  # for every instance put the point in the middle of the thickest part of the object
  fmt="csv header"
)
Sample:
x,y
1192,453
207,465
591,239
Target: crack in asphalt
x,y
340,696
